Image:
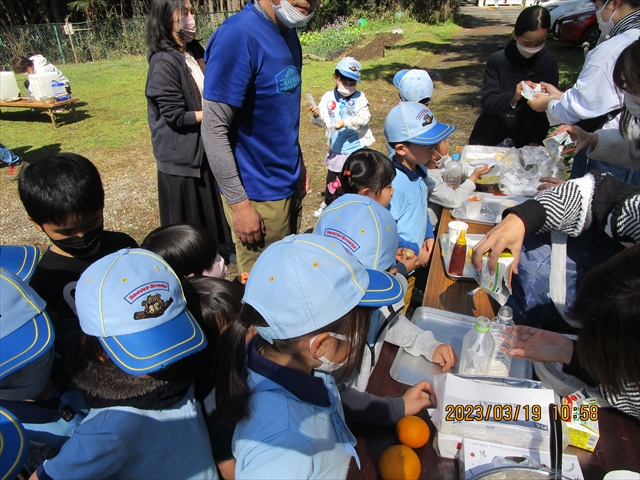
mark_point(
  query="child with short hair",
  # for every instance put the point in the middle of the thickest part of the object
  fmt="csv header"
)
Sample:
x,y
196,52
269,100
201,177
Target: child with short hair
x,y
344,112
134,365
413,132
63,197
36,64
189,248
286,403
367,230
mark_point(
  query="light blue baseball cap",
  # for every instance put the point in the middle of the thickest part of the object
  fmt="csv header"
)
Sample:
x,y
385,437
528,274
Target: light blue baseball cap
x,y
413,85
350,68
412,122
133,302
305,282
26,332
20,260
14,445
364,227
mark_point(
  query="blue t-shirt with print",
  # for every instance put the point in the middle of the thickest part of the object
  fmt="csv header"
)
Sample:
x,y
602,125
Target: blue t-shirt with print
x,y
256,67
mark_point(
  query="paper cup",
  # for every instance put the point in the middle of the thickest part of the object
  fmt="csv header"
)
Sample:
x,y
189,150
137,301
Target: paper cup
x,y
455,228
473,206
504,204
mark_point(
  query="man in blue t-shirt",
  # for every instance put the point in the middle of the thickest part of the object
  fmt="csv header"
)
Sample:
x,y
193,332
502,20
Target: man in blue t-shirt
x,y
251,122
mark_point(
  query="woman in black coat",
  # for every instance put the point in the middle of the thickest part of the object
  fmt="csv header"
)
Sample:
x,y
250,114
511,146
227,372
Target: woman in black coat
x,y
187,191
505,113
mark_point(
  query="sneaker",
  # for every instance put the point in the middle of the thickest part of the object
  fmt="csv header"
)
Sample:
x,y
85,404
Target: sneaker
x,y
319,211
14,171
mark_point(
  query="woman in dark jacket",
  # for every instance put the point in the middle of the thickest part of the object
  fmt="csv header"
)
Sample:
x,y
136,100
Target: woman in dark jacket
x,y
505,113
187,191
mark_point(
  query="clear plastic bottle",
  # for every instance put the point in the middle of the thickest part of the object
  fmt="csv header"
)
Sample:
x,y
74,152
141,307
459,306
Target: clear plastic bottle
x,y
560,170
453,171
477,349
504,338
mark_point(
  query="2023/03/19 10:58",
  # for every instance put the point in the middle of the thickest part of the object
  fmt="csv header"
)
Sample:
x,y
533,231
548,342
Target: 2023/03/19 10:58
x,y
496,412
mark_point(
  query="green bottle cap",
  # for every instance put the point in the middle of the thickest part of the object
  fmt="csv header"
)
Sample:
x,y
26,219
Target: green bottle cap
x,y
483,324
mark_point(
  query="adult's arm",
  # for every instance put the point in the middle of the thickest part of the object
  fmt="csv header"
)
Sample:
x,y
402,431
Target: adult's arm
x,y
494,100
164,87
614,148
247,222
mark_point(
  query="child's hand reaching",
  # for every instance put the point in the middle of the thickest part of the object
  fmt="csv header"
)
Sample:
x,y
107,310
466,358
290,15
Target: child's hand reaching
x,y
315,111
338,125
417,398
407,257
479,171
445,356
425,252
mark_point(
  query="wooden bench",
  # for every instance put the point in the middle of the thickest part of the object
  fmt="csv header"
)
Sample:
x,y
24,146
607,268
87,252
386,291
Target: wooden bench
x,y
49,108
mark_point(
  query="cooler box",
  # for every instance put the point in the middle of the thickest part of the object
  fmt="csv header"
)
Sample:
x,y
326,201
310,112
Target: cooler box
x,y
8,86
40,84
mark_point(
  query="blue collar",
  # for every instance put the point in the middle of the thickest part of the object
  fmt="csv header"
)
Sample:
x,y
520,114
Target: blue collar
x,y
307,388
419,173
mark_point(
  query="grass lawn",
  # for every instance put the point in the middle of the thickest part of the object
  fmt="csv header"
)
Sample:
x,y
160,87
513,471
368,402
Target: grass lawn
x,y
114,134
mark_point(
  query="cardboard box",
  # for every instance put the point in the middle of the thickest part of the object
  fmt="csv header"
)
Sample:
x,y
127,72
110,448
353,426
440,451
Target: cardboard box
x,y
580,414
477,456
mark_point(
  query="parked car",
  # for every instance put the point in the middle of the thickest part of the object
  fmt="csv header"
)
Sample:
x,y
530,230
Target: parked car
x,y
578,27
560,7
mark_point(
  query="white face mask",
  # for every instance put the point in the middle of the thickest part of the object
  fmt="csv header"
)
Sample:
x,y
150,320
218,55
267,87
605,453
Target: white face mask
x,y
632,105
442,160
527,52
605,27
346,91
217,270
290,16
327,365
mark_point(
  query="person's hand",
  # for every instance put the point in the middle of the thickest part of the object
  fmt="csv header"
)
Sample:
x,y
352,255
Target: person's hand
x,y
509,233
315,111
338,125
198,116
583,139
541,345
417,397
551,90
247,222
549,182
425,252
445,356
304,180
517,94
227,469
479,171
408,258
540,102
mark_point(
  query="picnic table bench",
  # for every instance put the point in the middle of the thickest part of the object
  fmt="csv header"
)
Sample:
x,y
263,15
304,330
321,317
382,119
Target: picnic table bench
x,y
49,108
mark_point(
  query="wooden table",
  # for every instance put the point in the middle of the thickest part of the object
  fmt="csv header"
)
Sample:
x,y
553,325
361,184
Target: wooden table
x,y
48,108
617,448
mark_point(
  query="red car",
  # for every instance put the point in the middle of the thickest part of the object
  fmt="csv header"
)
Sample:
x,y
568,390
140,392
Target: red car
x,y
578,27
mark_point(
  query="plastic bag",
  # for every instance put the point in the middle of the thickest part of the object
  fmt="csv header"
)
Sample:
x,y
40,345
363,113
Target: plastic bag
x,y
521,177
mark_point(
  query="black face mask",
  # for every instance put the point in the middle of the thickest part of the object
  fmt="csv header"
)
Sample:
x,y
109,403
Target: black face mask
x,y
80,246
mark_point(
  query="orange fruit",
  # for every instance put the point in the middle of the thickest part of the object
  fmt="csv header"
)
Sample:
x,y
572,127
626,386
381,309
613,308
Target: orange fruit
x,y
399,463
413,431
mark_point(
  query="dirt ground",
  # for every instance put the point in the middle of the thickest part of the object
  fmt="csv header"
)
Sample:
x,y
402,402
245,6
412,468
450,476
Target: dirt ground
x,y
457,71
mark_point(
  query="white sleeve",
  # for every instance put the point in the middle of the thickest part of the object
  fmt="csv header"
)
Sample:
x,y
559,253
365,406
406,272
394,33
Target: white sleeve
x,y
449,197
362,116
415,341
614,148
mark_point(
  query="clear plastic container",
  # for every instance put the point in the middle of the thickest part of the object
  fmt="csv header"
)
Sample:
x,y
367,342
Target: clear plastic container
x,y
477,349
502,330
453,171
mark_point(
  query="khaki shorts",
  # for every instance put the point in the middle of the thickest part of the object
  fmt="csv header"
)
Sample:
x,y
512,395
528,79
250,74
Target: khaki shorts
x,y
280,217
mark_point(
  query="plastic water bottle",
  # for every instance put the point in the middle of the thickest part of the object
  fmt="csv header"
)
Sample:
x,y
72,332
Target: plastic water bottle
x,y
453,171
560,170
477,349
504,338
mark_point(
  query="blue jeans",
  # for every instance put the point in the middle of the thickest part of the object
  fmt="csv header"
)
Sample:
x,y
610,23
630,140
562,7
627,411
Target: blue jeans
x,y
582,164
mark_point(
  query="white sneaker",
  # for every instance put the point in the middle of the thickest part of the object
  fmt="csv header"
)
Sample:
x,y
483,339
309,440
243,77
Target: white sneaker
x,y
319,211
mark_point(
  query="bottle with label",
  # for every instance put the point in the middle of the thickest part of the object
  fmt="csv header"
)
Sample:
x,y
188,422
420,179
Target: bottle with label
x,y
502,330
458,256
477,349
453,172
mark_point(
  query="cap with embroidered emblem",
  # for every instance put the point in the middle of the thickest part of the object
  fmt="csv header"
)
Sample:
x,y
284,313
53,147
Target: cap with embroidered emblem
x,y
26,332
364,227
412,122
14,445
349,67
20,260
413,85
305,282
134,303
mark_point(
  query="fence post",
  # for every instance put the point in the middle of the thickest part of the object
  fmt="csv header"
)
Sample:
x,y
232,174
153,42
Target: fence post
x,y
55,30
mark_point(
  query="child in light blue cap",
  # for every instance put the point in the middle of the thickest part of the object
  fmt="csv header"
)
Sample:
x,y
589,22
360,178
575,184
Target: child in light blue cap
x,y
311,302
344,113
368,231
135,365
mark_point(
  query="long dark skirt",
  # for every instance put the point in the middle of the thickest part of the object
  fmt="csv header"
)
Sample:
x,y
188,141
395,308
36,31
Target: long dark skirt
x,y
193,200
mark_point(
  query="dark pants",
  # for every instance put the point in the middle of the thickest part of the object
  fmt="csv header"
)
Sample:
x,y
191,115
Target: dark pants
x,y
582,165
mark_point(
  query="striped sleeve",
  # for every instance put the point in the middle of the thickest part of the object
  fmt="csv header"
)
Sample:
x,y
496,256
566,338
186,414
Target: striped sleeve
x,y
627,401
